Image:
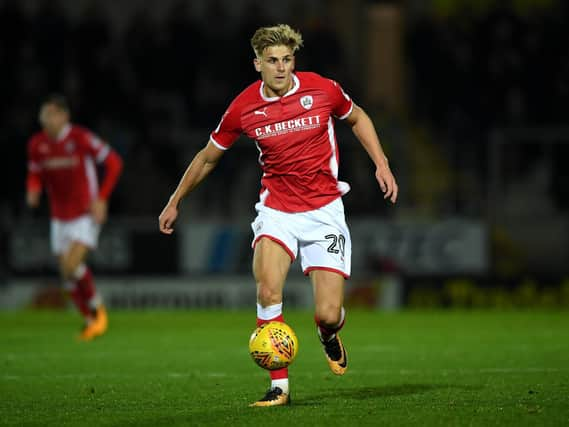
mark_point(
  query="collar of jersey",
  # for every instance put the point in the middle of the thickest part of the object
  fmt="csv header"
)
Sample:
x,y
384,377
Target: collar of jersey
x,y
294,88
63,133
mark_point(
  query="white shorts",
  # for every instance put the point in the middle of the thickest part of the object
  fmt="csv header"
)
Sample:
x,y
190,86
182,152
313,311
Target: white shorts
x,y
321,236
83,229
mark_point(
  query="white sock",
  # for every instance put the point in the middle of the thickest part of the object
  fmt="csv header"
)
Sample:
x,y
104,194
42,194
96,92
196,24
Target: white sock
x,y
269,312
95,302
282,384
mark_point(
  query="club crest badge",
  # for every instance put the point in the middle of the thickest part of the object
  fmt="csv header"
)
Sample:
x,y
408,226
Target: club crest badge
x,y
70,147
306,102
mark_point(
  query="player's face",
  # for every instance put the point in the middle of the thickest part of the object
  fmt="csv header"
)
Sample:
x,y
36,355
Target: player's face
x,y
53,119
276,66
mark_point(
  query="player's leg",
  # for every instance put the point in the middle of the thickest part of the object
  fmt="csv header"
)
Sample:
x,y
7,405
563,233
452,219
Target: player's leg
x,y
78,277
325,254
271,263
71,286
330,316
72,241
60,242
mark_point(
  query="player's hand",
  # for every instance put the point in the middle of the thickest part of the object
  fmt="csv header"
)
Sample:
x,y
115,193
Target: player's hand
x,y
167,218
99,211
33,199
387,182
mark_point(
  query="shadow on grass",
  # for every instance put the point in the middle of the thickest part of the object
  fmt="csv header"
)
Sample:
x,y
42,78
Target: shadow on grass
x,y
239,414
363,393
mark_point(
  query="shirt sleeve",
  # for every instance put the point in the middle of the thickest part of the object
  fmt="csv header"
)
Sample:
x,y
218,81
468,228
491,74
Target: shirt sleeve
x,y
103,155
34,164
342,104
95,146
228,129
33,179
113,168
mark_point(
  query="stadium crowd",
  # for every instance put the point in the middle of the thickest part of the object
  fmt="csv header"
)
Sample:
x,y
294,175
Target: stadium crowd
x,y
143,88
156,88
474,70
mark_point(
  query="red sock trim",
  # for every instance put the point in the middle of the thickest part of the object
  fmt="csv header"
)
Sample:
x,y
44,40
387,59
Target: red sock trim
x,y
79,301
326,330
279,318
279,374
87,285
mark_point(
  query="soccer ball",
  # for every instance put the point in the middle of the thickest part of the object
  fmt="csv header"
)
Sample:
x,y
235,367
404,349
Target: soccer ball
x,y
273,345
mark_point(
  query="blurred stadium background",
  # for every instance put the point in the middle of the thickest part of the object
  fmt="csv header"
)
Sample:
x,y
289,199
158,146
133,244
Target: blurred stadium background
x,y
469,98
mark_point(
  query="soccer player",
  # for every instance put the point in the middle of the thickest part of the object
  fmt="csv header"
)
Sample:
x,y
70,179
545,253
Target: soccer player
x,y
63,158
290,116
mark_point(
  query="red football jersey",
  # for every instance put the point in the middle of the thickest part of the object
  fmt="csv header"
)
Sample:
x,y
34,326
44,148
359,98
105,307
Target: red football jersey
x,y
67,169
295,137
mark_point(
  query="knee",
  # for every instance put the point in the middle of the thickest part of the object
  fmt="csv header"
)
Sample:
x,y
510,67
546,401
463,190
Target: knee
x,y
329,314
269,287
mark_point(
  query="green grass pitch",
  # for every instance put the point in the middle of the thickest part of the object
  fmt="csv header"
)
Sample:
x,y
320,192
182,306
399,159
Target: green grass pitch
x,y
192,368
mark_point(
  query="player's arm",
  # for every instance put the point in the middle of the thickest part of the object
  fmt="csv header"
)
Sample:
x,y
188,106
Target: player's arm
x,y
33,189
33,179
364,130
200,167
113,165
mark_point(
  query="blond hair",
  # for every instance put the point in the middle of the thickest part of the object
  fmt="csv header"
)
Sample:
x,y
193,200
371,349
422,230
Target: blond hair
x,y
278,35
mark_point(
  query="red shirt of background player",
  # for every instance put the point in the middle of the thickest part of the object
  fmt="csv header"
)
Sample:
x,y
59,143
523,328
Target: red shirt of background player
x,y
66,167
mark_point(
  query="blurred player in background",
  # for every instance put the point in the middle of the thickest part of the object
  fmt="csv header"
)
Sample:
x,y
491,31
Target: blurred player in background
x,y
63,159
290,116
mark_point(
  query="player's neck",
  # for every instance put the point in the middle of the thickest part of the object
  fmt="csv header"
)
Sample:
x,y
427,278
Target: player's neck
x,y
271,93
58,134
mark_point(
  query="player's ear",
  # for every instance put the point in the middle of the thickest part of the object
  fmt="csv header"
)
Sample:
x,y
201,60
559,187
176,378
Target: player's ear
x,y
257,64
